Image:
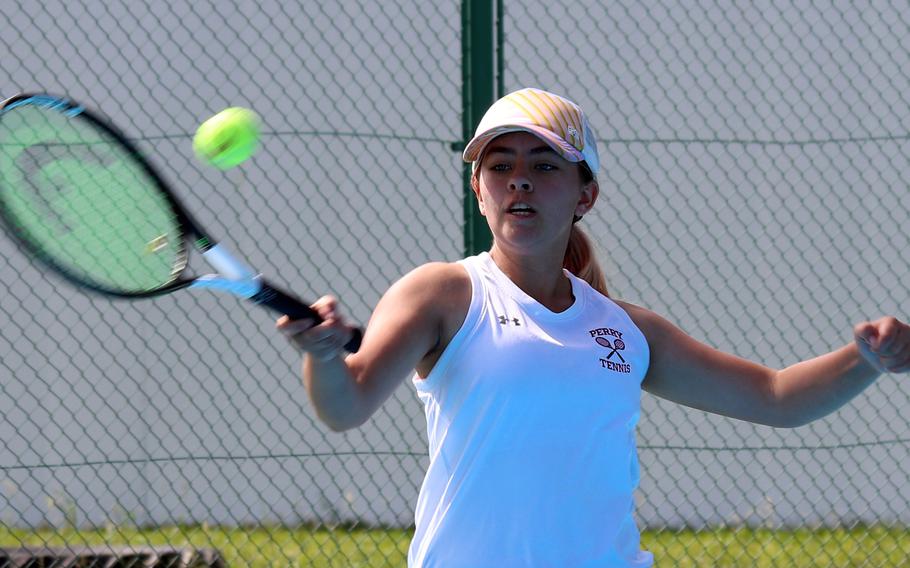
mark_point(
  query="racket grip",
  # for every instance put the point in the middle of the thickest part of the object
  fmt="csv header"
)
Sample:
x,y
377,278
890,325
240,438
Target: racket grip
x,y
282,303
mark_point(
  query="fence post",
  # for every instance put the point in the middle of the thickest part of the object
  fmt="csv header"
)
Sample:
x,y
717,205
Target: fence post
x,y
480,36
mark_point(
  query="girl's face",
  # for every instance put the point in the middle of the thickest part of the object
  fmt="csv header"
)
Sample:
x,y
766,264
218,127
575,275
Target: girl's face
x,y
529,193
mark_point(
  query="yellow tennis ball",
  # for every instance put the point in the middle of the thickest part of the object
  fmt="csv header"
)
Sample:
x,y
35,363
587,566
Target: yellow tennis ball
x,y
228,138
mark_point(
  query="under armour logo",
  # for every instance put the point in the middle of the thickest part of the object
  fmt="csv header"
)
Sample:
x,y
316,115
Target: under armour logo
x,y
503,320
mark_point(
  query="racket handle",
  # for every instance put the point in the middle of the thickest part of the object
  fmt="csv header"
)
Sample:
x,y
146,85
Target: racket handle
x,y
283,303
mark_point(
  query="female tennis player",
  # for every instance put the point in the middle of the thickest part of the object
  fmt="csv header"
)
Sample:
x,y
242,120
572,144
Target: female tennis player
x,y
531,375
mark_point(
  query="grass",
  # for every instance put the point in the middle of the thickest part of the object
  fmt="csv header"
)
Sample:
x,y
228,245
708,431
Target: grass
x,y
280,546
797,548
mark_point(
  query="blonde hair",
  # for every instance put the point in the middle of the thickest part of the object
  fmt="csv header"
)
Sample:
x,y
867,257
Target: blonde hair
x,y
581,261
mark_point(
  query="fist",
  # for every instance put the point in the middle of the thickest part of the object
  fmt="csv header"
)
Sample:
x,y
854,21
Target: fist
x,y
885,344
323,341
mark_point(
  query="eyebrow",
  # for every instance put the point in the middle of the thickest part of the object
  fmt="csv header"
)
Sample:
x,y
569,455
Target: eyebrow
x,y
542,149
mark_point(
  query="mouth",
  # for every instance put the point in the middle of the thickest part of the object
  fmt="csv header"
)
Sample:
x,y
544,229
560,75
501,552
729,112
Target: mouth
x,y
521,210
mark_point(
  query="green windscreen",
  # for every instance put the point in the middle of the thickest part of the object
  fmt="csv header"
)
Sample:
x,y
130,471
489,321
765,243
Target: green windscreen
x,y
77,196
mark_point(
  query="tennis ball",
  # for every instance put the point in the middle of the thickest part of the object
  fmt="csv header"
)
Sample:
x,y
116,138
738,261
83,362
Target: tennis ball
x,y
228,138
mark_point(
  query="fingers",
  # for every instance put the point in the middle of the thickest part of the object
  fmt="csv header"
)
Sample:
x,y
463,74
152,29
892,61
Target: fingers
x,y
323,341
885,343
889,334
326,307
897,365
288,326
865,332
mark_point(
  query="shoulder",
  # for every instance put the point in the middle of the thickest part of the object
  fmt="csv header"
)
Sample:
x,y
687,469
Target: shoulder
x,y
437,277
438,294
653,326
438,290
663,336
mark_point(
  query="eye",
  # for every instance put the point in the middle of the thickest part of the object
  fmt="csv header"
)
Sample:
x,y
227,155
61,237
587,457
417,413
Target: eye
x,y
499,167
547,167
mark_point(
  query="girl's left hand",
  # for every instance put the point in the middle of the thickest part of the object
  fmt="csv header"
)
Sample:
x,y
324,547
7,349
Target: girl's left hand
x,y
885,344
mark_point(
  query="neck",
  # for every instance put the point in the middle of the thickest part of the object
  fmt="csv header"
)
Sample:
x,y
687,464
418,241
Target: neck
x,y
539,276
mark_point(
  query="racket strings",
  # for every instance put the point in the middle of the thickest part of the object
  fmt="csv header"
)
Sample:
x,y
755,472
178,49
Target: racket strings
x,y
85,202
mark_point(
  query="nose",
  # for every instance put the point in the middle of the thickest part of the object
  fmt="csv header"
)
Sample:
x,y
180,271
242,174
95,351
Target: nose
x,y
520,183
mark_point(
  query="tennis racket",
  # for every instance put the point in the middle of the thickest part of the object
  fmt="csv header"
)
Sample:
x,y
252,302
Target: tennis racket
x,y
82,198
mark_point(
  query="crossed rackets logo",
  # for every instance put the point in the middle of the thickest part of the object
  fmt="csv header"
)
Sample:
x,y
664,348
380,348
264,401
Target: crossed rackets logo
x,y
617,346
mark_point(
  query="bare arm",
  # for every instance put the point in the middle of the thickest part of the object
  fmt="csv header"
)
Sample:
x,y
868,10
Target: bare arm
x,y
686,371
409,325
819,386
812,389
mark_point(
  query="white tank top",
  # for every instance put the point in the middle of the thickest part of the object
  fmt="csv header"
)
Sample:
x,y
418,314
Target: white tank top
x,y
531,423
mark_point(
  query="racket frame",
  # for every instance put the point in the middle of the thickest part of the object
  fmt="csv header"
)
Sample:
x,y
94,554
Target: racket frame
x,y
232,276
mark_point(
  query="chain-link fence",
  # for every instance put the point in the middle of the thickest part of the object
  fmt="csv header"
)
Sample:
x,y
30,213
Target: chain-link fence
x,y
753,191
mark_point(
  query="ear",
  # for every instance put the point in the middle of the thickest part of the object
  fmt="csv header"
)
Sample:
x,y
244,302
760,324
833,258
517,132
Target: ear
x,y
475,185
589,193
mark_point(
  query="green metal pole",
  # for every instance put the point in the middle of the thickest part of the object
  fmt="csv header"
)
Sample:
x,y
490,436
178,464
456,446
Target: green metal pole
x,y
500,63
478,70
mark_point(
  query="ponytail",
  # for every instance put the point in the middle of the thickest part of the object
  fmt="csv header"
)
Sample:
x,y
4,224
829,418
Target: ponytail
x,y
581,262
